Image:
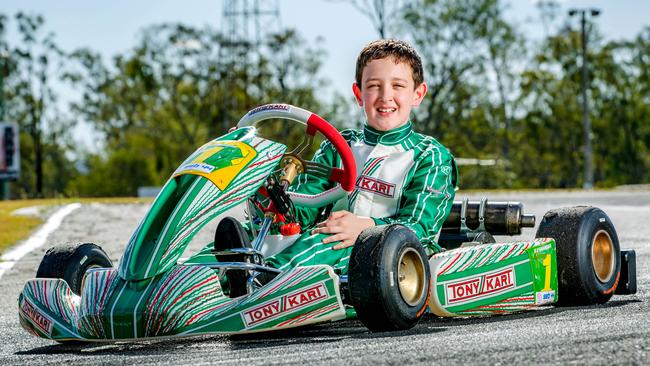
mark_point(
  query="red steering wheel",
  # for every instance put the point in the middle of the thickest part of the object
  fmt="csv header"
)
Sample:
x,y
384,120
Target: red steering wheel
x,y
344,177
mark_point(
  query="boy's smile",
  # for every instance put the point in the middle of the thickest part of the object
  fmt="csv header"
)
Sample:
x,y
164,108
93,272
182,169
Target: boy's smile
x,y
388,93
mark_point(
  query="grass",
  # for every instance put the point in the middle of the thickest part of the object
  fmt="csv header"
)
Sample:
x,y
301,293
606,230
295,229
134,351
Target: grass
x,y
14,228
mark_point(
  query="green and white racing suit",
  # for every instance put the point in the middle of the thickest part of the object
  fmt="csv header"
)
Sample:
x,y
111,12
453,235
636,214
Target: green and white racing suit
x,y
402,177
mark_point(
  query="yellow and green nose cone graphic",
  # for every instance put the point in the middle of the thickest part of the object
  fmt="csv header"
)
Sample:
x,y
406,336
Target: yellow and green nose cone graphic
x,y
219,161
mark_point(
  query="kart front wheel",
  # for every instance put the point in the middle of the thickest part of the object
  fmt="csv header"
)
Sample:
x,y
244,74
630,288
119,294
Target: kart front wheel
x,y
231,235
389,278
71,262
588,254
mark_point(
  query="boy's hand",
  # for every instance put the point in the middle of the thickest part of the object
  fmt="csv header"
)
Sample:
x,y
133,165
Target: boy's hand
x,y
345,227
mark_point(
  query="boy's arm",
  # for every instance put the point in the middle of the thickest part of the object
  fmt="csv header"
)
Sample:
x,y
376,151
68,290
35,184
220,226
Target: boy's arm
x,y
427,199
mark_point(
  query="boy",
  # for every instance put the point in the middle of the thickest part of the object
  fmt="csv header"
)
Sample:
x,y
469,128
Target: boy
x,y
416,173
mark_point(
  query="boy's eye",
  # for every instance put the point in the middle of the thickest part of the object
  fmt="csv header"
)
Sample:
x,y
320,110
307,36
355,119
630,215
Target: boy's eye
x,y
399,85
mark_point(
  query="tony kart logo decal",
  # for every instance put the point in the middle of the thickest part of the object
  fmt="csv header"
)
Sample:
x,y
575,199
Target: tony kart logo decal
x,y
270,107
282,305
41,322
479,286
261,313
374,185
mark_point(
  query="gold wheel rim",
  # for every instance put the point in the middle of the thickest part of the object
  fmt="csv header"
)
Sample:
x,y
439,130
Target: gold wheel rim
x,y
410,277
602,256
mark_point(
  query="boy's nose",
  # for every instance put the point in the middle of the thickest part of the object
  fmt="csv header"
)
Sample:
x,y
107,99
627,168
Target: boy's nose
x,y
386,94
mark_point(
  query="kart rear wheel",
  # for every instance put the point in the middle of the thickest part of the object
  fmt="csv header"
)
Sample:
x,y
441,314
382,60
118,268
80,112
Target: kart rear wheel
x,y
389,278
588,254
71,262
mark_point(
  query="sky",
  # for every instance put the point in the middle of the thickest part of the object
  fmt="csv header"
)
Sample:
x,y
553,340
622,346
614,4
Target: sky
x,y
112,27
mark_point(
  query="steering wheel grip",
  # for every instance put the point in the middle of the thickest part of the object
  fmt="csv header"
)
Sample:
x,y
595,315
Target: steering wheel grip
x,y
345,177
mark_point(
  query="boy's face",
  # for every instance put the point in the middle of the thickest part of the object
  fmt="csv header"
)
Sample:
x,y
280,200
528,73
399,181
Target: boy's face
x,y
388,93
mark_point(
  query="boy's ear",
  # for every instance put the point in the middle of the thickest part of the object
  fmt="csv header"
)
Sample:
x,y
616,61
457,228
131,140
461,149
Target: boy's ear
x,y
420,92
357,94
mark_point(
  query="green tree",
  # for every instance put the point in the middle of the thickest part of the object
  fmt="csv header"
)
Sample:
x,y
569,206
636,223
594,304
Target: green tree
x,y
384,14
32,103
469,52
173,92
621,97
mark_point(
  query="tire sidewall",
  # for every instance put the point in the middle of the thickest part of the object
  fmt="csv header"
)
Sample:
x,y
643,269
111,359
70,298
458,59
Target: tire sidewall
x,y
373,276
390,293
594,221
574,229
85,256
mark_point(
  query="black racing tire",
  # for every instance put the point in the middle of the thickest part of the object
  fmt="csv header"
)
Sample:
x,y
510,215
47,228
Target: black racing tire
x,y
229,235
588,254
71,262
381,255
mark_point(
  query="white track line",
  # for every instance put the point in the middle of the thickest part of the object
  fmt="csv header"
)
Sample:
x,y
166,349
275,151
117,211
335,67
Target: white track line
x,y
38,239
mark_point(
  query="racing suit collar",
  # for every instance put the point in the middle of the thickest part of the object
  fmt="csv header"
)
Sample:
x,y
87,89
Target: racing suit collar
x,y
388,138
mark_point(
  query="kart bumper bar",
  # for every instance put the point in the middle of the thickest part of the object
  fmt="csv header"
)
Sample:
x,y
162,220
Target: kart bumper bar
x,y
627,281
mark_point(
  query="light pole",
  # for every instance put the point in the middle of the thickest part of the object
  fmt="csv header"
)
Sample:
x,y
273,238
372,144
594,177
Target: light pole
x,y
586,122
4,184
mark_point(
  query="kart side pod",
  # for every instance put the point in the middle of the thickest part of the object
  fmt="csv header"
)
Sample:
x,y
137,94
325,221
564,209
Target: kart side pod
x,y
494,278
576,260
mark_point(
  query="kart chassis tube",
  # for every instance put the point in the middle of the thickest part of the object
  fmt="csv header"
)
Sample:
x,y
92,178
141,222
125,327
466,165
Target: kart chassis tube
x,y
235,265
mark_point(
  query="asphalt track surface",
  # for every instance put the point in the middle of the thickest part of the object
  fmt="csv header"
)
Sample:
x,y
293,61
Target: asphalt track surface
x,y
617,332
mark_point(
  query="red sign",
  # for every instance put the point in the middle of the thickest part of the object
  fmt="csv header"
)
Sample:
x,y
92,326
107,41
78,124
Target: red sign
x,y
284,304
366,183
37,319
499,281
479,286
463,290
305,297
258,314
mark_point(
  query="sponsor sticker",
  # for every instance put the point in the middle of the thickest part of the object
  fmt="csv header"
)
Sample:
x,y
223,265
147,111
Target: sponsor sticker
x,y
40,321
374,185
544,297
480,286
269,107
197,167
219,161
284,304
543,248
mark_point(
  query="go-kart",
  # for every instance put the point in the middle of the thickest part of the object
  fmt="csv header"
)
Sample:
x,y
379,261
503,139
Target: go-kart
x,y
390,283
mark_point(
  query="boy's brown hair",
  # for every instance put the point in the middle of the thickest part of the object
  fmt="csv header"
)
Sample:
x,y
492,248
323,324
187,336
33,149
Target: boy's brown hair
x,y
400,51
